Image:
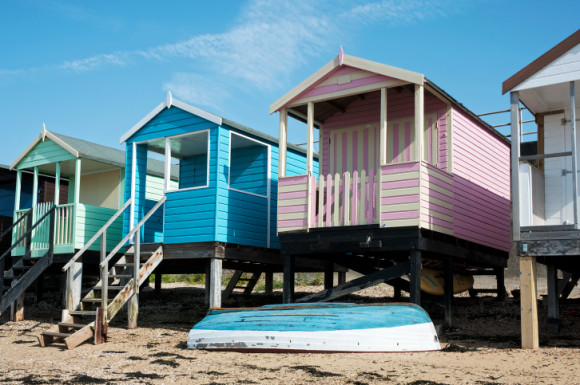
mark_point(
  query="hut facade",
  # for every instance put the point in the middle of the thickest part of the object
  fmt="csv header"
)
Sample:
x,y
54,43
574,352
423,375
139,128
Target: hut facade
x,y
546,227
408,177
74,184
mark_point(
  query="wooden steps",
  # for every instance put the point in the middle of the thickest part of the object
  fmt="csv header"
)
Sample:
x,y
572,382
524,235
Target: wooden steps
x,y
239,281
89,320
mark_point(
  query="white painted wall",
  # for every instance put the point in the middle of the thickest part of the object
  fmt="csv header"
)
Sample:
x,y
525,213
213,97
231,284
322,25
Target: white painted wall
x,y
564,69
558,171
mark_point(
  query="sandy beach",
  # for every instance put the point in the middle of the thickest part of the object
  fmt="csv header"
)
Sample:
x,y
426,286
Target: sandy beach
x,y
482,348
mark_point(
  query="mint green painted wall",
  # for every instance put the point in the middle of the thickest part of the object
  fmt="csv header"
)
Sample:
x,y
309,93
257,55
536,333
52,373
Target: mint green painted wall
x,y
44,153
90,219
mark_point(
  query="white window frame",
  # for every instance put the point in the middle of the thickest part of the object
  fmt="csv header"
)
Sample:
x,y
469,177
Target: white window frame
x,y
166,188
267,146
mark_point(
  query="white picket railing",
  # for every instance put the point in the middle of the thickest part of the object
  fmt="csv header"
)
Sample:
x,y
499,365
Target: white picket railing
x,y
64,223
20,228
343,200
40,233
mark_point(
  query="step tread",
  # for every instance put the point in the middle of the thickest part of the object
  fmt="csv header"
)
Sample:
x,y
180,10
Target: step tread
x,y
56,334
94,300
83,312
109,287
120,275
123,264
71,325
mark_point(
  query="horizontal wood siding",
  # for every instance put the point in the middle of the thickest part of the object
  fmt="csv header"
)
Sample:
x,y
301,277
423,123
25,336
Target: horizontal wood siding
x,y
400,195
190,215
248,169
437,194
292,203
169,122
400,105
7,196
43,153
193,171
89,220
481,184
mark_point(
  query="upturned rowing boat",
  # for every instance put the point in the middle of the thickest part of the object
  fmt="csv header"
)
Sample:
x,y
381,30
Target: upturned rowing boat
x,y
317,327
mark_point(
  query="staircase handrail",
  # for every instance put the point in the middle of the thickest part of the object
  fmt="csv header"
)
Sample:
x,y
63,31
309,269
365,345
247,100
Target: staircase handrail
x,y
132,232
28,212
97,235
27,233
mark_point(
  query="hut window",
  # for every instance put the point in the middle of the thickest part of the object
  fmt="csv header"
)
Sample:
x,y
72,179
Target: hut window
x,y
430,143
248,171
190,154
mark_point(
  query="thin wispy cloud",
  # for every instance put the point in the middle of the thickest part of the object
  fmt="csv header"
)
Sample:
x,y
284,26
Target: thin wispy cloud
x,y
269,41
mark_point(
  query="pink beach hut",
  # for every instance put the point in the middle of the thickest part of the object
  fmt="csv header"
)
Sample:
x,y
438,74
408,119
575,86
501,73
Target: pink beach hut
x,y
409,177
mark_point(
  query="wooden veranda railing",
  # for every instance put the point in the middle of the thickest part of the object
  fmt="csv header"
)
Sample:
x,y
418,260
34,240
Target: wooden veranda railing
x,y
343,199
63,231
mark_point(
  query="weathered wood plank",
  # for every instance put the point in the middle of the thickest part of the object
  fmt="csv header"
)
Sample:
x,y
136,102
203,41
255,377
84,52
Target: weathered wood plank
x,y
358,284
529,307
80,336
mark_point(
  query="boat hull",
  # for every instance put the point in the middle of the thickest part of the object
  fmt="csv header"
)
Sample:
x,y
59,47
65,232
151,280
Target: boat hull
x,y
317,328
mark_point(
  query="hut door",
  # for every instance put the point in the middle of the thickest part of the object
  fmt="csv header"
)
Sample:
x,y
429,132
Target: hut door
x,y
354,148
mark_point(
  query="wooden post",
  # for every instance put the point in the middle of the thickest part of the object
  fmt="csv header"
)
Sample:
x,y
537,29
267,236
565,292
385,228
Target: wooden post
x,y
269,284
17,309
283,143
328,274
104,279
35,189
310,139
57,185
76,198
341,277
415,273
207,281
553,305
158,280
448,293
133,306
288,291
215,283
515,163
500,278
383,123
574,154
529,307
419,120
18,191
72,293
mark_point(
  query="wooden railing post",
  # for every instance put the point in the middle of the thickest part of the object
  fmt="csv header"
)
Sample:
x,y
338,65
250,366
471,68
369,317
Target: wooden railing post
x,y
133,308
51,234
104,278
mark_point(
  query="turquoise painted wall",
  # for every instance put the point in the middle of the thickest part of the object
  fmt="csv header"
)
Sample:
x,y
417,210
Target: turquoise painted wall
x,y
217,212
193,171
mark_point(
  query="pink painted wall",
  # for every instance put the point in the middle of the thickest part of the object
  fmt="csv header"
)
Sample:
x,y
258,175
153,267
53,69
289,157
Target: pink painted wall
x,y
399,105
481,184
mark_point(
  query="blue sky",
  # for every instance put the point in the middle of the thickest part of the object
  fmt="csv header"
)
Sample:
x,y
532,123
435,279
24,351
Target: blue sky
x,y
93,69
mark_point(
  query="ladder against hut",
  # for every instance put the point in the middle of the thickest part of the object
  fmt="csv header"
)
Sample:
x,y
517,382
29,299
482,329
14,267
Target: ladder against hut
x,y
546,225
402,166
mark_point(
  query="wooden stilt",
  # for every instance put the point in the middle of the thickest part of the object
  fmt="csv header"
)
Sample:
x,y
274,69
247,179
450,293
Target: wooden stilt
x,y
500,277
397,295
553,301
215,283
133,311
529,307
328,274
415,273
341,277
269,289
207,280
288,294
448,293
158,279
17,309
74,281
